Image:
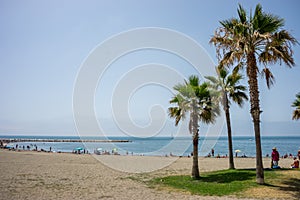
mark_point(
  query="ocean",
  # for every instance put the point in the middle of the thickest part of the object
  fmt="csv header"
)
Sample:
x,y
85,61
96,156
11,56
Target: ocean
x,y
161,146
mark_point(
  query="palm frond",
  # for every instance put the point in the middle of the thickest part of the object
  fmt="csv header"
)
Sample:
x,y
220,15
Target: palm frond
x,y
242,14
238,67
270,79
175,112
279,48
193,81
296,103
222,73
264,22
212,79
239,97
296,114
240,87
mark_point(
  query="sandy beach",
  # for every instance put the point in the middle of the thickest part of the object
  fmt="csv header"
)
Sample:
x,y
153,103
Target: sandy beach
x,y
35,175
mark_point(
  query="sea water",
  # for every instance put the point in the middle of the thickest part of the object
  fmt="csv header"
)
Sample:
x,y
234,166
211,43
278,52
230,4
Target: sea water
x,y
162,146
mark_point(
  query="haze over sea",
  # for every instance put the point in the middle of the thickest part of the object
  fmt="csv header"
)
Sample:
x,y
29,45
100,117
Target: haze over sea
x,y
161,146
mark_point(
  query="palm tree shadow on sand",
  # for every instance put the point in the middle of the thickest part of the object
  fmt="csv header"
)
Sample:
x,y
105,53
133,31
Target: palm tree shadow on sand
x,y
228,177
290,185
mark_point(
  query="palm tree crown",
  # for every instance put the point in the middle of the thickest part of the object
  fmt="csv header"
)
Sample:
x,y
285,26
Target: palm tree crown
x,y
228,84
259,34
193,97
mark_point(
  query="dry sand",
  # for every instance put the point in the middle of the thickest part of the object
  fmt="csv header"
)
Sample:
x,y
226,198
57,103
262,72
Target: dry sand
x,y
34,175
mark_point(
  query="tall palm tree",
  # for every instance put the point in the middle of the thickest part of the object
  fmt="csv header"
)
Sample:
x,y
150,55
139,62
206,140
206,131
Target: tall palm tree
x,y
229,88
296,104
196,100
247,40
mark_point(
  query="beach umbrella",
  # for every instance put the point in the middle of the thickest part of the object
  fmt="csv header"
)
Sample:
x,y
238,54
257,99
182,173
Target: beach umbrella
x,y
99,149
79,149
236,152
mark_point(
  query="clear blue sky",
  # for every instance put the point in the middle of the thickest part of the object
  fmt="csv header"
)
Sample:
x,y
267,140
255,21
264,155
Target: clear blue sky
x,y
44,43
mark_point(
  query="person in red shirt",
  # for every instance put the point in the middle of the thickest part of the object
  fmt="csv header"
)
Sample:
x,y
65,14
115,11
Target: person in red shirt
x,y
295,164
275,158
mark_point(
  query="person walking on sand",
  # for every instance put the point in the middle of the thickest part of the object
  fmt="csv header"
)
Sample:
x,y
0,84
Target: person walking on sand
x,y
275,158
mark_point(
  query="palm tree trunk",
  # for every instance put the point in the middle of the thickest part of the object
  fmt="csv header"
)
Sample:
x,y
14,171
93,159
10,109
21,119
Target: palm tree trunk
x,y
230,150
195,168
255,113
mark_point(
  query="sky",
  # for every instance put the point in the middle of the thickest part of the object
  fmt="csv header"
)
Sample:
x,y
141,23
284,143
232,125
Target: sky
x,y
45,44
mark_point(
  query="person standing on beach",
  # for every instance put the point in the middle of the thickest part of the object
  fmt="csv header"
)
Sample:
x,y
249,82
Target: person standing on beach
x,y
213,152
275,158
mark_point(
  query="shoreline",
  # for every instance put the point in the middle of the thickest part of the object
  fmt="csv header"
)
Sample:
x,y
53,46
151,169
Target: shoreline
x,y
39,152
134,155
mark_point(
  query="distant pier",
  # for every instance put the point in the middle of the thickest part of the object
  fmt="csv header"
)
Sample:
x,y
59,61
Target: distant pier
x,y
6,140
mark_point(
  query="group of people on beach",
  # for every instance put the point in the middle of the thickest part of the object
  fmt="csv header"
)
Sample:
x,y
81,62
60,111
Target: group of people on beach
x,y
275,159
18,147
29,147
212,154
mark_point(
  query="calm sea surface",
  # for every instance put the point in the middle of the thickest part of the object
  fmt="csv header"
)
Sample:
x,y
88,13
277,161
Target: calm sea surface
x,y
166,145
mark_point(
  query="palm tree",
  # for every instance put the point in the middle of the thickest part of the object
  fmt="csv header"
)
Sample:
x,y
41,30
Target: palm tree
x,y
229,88
247,40
196,100
296,103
